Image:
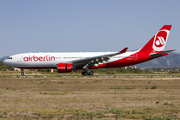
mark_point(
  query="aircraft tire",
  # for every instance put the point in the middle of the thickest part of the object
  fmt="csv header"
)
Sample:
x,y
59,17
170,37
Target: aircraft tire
x,y
91,73
22,73
84,73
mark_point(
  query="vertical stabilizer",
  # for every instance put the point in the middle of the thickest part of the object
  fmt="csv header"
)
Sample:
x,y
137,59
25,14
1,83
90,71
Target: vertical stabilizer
x,y
158,41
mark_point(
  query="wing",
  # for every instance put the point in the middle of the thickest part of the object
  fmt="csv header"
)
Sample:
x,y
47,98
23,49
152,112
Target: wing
x,y
91,61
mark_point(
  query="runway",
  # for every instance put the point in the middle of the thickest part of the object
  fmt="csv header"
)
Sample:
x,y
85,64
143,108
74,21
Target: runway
x,y
101,75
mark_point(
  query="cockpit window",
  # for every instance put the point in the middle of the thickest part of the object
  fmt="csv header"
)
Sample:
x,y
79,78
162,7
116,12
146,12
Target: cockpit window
x,y
10,58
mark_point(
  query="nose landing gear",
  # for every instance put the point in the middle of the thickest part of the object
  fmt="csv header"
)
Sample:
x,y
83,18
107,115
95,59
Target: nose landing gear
x,y
22,72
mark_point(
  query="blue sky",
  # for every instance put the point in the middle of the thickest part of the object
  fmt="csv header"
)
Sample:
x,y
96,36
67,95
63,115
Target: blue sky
x,y
85,25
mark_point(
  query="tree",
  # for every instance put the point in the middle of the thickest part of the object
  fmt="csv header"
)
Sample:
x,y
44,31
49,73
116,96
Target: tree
x,y
4,67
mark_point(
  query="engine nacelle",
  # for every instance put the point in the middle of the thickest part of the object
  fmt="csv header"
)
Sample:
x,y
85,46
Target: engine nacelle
x,y
64,67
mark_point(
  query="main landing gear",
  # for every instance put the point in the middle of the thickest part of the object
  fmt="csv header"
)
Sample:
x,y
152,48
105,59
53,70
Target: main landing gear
x,y
22,72
84,73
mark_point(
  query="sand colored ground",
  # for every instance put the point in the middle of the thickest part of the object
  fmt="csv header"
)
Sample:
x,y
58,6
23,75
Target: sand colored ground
x,y
64,97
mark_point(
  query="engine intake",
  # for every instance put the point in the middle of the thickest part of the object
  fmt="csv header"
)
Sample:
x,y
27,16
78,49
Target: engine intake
x,y
64,67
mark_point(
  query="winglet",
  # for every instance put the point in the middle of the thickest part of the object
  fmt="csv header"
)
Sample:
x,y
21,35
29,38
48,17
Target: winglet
x,y
124,50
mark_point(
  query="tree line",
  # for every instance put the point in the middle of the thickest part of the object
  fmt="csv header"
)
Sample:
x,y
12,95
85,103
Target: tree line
x,y
4,67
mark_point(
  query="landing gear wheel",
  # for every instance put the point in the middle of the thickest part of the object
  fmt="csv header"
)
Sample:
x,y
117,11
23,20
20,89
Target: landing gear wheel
x,y
22,73
84,73
91,73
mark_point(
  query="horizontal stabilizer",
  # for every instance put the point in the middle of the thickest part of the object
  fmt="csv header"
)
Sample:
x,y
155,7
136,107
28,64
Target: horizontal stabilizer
x,y
154,55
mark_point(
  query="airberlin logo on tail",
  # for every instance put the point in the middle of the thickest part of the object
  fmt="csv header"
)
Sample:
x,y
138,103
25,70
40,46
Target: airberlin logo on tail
x,y
160,40
40,58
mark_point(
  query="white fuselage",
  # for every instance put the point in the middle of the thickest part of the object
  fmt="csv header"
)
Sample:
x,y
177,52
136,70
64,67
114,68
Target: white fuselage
x,y
50,60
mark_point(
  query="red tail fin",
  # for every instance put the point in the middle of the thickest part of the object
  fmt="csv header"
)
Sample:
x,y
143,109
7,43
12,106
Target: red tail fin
x,y
158,41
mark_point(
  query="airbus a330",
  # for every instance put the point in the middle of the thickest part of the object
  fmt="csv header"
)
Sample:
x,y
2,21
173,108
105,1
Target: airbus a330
x,y
70,61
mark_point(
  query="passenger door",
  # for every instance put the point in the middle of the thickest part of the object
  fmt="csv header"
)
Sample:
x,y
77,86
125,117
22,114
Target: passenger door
x,y
19,59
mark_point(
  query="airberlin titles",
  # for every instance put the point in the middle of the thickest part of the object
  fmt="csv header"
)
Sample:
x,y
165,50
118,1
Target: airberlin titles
x,y
40,58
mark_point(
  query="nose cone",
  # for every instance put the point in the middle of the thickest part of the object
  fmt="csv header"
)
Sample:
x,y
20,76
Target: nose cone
x,y
7,62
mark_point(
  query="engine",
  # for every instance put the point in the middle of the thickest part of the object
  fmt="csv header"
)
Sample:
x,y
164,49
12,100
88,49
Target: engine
x,y
64,67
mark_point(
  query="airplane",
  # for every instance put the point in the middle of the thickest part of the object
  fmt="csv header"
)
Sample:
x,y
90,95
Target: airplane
x,y
70,61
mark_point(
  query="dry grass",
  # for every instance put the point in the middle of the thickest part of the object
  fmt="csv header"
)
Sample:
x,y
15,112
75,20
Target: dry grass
x,y
89,98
